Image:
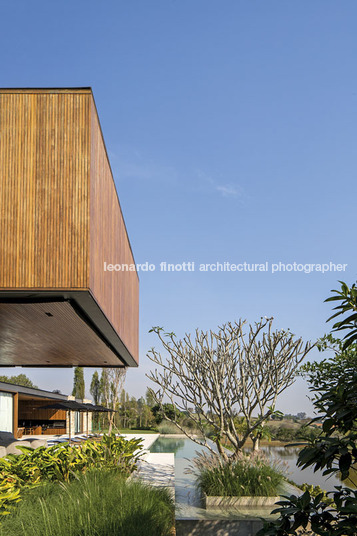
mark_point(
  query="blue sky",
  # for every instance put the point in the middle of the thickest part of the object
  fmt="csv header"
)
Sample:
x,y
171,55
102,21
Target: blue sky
x,y
231,130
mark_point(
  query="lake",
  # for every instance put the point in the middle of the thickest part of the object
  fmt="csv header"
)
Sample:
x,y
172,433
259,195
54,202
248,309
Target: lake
x,y
185,449
187,497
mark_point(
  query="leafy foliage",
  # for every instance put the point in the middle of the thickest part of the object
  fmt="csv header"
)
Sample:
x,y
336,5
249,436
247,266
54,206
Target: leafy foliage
x,y
166,411
78,383
20,379
61,463
97,503
348,303
329,372
95,388
9,496
335,450
315,491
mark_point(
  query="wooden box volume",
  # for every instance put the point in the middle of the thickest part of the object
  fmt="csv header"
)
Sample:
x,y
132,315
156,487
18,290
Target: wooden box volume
x,y
60,221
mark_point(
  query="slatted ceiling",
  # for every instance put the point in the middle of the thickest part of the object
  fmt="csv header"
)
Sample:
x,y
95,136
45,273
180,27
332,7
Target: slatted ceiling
x,y
29,337
44,167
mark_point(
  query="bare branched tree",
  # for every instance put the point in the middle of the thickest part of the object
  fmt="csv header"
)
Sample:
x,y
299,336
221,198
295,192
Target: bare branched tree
x,y
112,381
217,376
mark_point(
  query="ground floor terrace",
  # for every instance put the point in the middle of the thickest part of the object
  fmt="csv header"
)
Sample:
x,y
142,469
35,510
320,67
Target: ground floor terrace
x,y
26,411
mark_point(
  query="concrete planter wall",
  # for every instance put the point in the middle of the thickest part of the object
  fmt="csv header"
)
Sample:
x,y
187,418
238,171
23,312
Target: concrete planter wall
x,y
231,502
218,527
244,517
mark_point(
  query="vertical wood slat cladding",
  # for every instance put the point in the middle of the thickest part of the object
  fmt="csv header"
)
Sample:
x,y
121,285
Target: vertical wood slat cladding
x,y
44,188
33,409
117,292
60,217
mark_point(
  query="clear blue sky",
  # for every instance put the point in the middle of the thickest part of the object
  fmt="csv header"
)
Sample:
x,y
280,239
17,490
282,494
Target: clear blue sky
x,y
231,129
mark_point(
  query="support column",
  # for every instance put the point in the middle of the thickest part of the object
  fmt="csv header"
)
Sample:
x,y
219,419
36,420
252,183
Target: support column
x,y
15,413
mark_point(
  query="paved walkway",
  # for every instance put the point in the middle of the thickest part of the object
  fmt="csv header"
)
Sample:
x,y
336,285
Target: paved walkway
x,y
156,469
147,439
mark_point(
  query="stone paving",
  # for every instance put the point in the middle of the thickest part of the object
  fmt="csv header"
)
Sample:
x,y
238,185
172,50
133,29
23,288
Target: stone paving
x,y
156,469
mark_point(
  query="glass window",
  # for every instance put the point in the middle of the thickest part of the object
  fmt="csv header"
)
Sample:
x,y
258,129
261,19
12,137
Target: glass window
x,y
6,412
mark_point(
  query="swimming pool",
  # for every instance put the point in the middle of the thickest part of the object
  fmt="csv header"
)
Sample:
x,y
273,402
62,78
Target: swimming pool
x,y
188,500
187,497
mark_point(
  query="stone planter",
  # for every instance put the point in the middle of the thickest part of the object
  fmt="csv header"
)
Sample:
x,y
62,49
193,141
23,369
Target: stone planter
x,y
214,502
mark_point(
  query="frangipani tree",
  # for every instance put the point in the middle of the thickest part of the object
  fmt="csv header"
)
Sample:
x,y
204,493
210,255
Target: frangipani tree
x,y
215,376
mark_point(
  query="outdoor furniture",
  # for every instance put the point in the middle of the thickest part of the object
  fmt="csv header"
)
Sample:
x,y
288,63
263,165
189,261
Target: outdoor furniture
x,y
8,443
72,405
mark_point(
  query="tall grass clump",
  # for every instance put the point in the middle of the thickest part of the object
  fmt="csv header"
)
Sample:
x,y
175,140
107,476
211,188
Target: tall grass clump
x,y
98,503
62,463
246,476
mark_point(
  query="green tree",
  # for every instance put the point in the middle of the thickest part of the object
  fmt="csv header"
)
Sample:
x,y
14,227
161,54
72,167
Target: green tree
x,y
104,388
95,392
133,412
78,383
333,451
148,418
20,379
122,409
331,371
166,411
348,305
95,388
140,409
150,399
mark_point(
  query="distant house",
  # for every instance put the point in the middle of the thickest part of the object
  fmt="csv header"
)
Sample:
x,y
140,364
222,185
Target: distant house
x,y
317,424
22,412
60,224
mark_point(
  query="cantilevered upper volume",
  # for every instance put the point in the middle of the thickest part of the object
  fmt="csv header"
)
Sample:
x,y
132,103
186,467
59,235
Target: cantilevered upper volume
x,y
60,221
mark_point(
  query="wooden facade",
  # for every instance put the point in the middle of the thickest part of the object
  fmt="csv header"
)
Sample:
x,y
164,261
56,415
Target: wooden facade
x,y
29,408
60,221
28,413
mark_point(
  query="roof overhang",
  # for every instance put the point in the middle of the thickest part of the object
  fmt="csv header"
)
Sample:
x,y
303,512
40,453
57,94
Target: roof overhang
x,y
57,329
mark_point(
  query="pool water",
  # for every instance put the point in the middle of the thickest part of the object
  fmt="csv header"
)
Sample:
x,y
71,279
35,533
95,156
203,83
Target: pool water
x,y
187,497
188,501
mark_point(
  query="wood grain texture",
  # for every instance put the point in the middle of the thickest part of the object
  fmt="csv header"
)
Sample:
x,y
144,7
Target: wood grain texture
x,y
44,183
60,217
116,292
33,410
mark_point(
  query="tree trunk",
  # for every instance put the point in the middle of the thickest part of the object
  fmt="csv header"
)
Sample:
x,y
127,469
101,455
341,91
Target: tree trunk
x,y
255,443
221,451
111,419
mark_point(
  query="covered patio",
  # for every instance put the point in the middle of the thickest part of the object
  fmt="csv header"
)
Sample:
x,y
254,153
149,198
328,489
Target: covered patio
x,y
28,411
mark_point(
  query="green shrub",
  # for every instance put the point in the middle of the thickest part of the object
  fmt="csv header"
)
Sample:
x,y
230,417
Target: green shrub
x,y
316,491
283,433
9,496
247,476
99,503
63,462
166,427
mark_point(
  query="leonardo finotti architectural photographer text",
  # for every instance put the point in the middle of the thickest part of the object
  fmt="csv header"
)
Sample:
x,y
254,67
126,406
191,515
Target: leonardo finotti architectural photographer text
x,y
306,268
